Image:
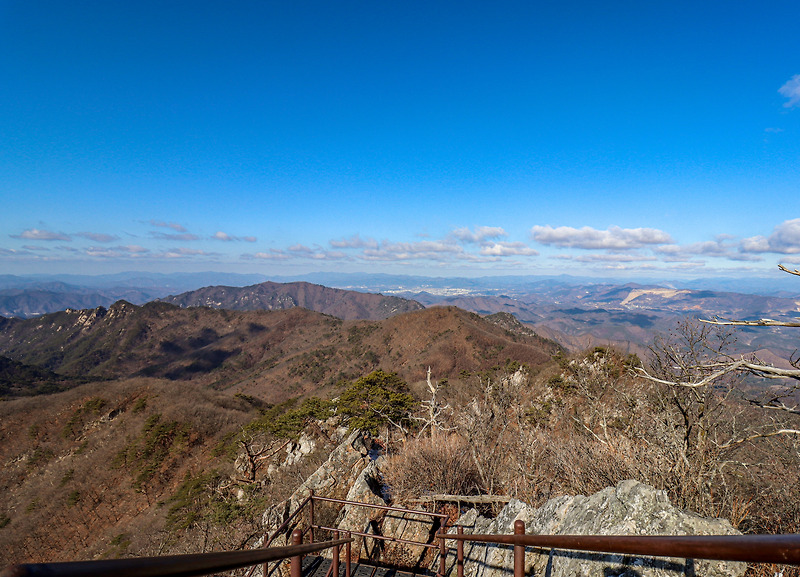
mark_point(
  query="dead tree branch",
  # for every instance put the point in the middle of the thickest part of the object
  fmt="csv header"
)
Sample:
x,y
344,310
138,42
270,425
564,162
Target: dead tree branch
x,y
758,323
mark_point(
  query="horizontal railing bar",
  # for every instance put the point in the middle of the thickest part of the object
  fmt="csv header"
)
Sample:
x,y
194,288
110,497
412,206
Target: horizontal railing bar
x,y
385,507
167,566
381,537
783,549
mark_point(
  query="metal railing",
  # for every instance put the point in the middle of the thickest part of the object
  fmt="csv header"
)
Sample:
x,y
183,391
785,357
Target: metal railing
x,y
175,565
442,519
309,502
778,549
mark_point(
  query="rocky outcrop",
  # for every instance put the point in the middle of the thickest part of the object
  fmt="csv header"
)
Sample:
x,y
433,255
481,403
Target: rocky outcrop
x,y
334,478
408,527
629,508
366,489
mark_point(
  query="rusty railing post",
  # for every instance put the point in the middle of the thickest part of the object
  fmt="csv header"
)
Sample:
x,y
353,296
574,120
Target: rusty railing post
x,y
311,516
519,550
460,552
347,552
442,556
335,571
296,567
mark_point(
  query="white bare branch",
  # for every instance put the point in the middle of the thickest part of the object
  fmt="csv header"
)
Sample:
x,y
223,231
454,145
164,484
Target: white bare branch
x,y
776,405
727,368
784,269
766,371
758,323
435,411
398,425
735,442
771,372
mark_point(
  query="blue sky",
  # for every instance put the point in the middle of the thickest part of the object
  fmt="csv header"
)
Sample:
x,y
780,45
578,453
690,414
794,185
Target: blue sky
x,y
436,138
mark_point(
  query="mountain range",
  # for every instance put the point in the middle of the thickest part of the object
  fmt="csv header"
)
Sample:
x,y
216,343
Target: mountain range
x,y
112,416
346,305
578,313
274,354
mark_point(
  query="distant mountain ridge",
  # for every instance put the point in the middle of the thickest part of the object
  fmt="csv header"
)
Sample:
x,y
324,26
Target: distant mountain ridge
x,y
271,354
629,316
343,304
34,295
55,296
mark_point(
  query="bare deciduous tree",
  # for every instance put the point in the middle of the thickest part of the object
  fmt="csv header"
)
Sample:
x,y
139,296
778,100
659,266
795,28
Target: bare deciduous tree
x,y
701,372
434,411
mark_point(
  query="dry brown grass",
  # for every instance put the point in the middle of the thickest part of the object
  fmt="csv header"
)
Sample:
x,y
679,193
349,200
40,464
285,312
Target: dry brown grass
x,y
437,464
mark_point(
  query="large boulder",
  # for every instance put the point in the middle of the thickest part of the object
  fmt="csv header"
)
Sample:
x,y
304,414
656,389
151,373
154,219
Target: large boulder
x,y
629,508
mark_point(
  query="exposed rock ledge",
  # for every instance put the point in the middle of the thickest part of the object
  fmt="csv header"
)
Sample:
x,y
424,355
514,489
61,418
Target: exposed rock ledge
x,y
629,508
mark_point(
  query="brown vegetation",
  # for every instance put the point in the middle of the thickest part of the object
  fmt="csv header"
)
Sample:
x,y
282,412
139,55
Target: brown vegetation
x,y
586,422
271,355
144,464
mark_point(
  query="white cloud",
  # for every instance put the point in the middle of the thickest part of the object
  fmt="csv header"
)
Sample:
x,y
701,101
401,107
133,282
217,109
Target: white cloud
x,y
36,234
272,254
98,236
607,258
181,237
300,248
225,237
481,233
317,253
423,246
133,249
426,249
173,225
508,249
755,244
184,252
712,248
687,266
354,241
103,252
785,239
615,238
791,90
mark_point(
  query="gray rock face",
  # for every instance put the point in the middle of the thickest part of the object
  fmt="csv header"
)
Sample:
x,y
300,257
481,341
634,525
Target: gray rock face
x,y
366,489
630,508
408,527
334,478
